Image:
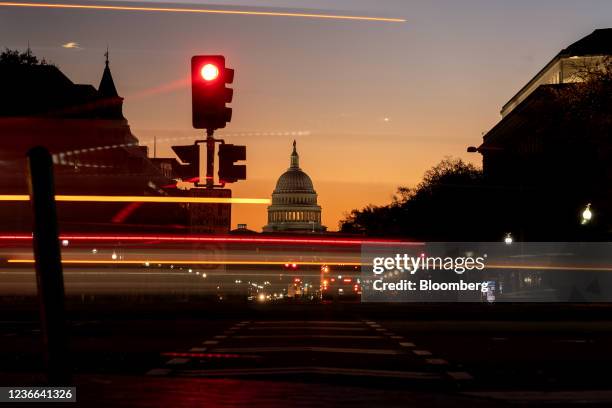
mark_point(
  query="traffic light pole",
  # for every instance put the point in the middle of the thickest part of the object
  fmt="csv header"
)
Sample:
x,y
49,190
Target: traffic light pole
x,y
210,158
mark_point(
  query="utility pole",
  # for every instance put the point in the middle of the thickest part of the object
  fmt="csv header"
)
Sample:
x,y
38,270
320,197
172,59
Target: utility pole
x,y
48,265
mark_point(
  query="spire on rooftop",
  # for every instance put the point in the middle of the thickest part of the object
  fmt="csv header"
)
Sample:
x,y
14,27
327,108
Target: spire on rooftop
x,y
107,85
295,158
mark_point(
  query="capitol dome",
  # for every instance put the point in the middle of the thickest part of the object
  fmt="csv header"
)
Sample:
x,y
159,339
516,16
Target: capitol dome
x,y
294,180
294,201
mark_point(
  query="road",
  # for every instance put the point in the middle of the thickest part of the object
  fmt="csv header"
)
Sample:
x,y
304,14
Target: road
x,y
339,354
164,321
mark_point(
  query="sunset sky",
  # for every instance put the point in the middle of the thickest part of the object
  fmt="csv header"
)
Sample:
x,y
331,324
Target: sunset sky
x,y
376,103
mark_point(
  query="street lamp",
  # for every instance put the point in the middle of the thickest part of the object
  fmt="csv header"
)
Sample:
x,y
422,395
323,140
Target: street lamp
x,y
587,214
508,239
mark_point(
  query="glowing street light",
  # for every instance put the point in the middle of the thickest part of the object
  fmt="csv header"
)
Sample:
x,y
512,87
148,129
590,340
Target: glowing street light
x,y
114,256
587,214
508,239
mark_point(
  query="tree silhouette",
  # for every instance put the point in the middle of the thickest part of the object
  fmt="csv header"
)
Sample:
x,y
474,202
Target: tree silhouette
x,y
14,57
444,206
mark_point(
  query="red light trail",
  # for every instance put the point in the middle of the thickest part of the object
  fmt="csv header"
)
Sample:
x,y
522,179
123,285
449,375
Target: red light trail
x,y
201,11
218,239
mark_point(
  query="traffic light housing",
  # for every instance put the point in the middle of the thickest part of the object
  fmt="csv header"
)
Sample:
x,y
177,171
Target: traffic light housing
x,y
190,156
228,155
209,93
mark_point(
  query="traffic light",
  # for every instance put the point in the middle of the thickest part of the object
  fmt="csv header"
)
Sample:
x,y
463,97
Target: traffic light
x,y
209,93
190,155
228,155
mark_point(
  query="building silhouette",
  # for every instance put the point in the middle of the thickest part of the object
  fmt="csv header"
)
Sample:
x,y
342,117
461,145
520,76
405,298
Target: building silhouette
x,y
294,201
94,151
83,127
550,155
566,66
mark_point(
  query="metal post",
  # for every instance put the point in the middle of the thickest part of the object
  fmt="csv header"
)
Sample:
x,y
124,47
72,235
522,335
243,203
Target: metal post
x,y
210,158
48,264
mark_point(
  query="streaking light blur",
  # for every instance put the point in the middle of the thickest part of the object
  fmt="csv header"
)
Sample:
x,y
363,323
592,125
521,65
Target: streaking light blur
x,y
143,199
206,11
117,261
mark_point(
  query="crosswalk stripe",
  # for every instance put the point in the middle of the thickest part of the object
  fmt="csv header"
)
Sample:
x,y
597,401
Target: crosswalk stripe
x,y
436,361
159,371
309,328
414,375
583,398
273,322
306,349
307,336
459,375
178,361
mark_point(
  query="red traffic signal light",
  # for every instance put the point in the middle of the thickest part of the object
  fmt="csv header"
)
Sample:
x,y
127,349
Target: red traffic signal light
x,y
209,93
209,72
228,155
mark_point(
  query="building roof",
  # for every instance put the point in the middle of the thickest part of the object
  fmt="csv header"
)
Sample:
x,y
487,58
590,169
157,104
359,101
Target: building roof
x,y
44,91
107,85
294,179
599,42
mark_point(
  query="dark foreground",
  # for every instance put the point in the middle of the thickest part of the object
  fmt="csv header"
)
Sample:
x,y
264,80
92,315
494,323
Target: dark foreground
x,y
187,354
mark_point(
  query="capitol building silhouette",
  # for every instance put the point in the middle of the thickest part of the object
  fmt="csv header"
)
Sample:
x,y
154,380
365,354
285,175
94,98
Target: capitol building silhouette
x,y
294,202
